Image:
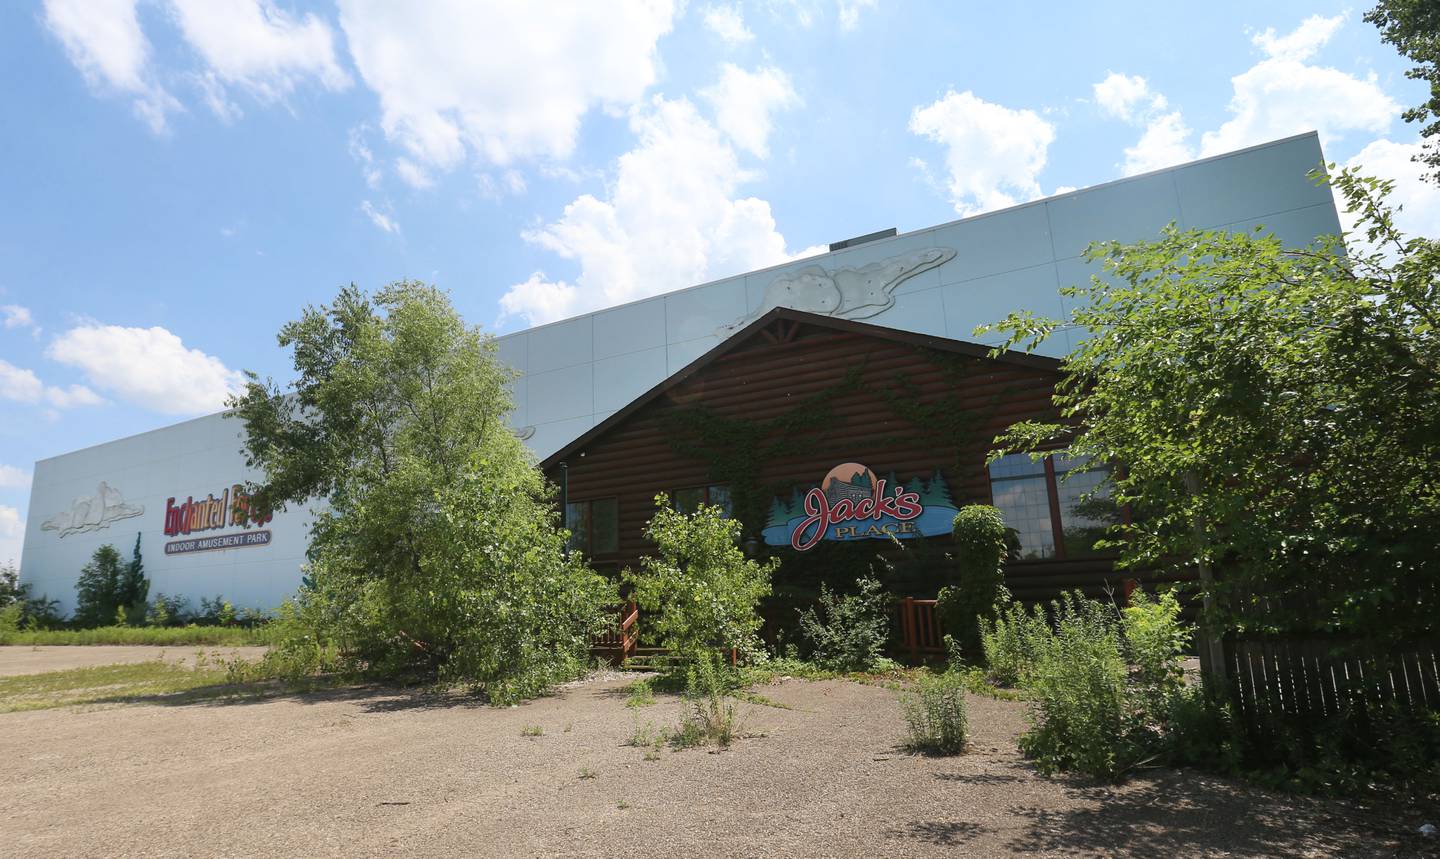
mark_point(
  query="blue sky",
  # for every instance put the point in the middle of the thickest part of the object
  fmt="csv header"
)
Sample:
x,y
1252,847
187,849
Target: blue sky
x,y
179,177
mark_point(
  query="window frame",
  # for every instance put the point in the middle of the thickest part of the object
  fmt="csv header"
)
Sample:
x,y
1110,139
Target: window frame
x,y
1057,522
705,497
588,548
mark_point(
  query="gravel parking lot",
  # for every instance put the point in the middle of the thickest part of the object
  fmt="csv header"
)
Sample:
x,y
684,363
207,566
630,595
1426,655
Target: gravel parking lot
x,y
374,772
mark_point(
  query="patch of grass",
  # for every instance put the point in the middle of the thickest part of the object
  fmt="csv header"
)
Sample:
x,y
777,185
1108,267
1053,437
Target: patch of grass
x,y
978,682
532,731
642,693
165,636
648,735
587,773
106,684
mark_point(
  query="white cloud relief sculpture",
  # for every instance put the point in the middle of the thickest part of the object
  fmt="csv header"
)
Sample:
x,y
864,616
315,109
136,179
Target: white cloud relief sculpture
x,y
93,512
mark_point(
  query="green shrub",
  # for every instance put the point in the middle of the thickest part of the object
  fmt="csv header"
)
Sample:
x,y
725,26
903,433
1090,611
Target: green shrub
x,y
848,633
934,713
701,591
710,715
167,610
1077,694
1155,639
1010,640
981,541
10,617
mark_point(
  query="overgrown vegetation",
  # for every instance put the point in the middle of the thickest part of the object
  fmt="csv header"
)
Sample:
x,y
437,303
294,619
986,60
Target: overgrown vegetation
x,y
1271,416
440,554
935,716
710,713
981,546
18,609
849,632
1277,414
700,591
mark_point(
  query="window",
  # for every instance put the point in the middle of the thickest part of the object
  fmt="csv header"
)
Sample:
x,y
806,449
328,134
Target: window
x,y
1054,516
688,500
594,526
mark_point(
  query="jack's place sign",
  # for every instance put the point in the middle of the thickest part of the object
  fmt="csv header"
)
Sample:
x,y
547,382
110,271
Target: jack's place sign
x,y
851,503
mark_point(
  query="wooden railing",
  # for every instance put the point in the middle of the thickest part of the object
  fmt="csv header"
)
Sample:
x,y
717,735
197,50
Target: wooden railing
x,y
920,632
621,641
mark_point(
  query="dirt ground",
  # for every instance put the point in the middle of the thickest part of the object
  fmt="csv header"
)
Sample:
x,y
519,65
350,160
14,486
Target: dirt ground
x,y
23,659
368,772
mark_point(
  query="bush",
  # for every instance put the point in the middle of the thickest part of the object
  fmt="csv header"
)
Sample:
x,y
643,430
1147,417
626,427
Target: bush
x,y
167,610
848,633
710,716
11,616
1076,689
935,714
495,602
1010,641
699,587
981,541
1155,639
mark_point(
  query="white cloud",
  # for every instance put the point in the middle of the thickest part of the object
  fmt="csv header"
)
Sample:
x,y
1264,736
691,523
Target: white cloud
x,y
993,154
744,102
502,81
510,183
253,45
17,316
849,11
23,386
380,219
1119,95
13,478
728,23
147,366
12,534
1165,143
1420,199
1283,95
413,174
360,151
104,41
670,220
1303,41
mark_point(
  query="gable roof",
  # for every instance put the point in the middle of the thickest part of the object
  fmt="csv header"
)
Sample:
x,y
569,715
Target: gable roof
x,y
753,330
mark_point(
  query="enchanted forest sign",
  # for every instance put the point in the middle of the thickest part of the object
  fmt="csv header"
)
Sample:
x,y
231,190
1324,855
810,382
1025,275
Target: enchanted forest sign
x,y
851,503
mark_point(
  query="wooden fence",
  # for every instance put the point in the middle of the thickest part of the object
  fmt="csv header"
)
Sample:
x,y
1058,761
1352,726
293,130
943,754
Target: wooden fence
x,y
1313,678
920,632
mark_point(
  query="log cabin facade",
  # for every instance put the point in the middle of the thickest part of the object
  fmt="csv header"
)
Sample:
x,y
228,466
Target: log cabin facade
x,y
769,414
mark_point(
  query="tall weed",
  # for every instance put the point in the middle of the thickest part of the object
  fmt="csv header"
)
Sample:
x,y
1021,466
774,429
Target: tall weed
x,y
935,716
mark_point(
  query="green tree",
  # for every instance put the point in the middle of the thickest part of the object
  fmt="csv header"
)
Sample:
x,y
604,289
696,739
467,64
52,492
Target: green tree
x,y
1413,28
981,546
97,587
132,590
439,553
1276,412
702,591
